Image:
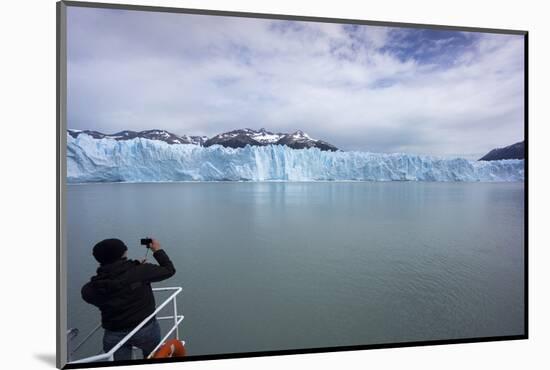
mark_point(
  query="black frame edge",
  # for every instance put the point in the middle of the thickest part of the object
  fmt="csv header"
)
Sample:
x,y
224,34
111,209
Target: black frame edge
x,y
293,352
526,186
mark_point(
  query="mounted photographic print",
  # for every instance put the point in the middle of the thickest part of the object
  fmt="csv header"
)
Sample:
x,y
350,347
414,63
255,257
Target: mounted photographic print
x,y
236,184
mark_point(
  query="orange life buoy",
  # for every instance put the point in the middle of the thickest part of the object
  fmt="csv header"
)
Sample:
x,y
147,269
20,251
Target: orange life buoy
x,y
170,348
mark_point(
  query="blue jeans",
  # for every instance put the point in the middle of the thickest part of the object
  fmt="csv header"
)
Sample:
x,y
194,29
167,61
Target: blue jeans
x,y
145,339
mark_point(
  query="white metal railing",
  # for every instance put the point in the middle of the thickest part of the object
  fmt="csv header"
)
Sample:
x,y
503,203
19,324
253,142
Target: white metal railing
x,y
109,356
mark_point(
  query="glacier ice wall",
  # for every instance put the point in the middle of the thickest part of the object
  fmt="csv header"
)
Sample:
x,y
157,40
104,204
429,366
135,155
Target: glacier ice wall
x,y
143,160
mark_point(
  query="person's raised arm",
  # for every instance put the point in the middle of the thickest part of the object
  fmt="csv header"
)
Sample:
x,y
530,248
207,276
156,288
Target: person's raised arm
x,y
149,272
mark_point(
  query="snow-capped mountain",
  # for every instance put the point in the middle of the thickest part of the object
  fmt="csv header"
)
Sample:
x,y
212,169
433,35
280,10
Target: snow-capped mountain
x,y
92,160
242,137
161,135
301,140
232,139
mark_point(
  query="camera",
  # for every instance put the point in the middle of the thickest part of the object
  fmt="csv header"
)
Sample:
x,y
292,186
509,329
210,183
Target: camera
x,y
146,242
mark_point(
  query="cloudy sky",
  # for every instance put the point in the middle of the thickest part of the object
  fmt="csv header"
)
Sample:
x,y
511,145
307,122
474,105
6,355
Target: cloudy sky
x,y
382,89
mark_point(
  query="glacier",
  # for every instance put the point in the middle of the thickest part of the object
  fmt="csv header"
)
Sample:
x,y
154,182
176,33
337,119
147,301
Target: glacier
x,y
144,160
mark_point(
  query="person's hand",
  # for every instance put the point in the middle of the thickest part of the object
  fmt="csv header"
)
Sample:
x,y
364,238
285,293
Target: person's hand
x,y
155,245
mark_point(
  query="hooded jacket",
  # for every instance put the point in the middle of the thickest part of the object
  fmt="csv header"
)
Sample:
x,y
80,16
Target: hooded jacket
x,y
122,290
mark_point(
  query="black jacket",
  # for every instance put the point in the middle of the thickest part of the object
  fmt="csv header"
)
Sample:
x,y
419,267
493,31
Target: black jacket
x,y
122,290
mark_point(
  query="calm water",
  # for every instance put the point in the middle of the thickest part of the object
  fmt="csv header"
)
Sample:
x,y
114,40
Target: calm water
x,y
268,266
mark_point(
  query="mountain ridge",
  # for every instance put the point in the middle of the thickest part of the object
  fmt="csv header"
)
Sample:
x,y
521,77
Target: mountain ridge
x,y
514,151
153,134
241,137
238,138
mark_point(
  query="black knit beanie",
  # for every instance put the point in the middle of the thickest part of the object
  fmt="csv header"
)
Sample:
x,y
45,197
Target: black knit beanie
x,y
109,250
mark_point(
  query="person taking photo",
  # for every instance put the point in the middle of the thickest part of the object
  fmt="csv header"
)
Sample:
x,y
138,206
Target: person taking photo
x,y
121,289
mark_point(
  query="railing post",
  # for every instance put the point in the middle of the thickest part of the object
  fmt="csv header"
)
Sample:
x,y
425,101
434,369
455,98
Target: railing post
x,y
71,335
109,356
176,318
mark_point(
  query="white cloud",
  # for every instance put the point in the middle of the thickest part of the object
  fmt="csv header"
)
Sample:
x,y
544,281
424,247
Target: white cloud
x,y
347,85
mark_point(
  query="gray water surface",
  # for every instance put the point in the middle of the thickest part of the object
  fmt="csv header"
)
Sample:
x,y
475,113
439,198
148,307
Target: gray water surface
x,y
271,266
